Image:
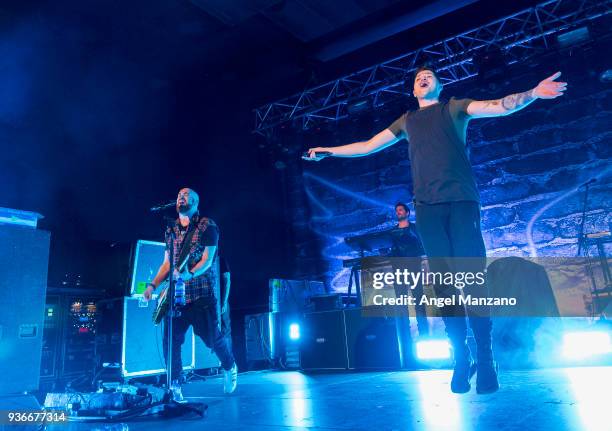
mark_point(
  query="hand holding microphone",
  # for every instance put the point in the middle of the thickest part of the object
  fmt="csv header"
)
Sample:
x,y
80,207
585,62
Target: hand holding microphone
x,y
316,154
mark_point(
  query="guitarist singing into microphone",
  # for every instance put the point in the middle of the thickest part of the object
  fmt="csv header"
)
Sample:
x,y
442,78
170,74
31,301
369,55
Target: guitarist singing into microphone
x,y
196,237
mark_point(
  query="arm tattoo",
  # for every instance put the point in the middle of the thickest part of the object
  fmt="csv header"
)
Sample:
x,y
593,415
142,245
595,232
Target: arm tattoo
x,y
488,103
514,102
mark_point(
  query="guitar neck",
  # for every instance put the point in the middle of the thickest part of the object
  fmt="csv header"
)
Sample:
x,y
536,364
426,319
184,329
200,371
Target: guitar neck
x,y
181,265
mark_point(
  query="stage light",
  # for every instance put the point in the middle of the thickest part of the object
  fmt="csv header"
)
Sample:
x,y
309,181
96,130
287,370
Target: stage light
x,y
294,331
584,344
432,349
574,37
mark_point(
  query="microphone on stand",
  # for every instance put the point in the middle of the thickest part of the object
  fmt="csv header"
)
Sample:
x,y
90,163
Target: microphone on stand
x,y
162,207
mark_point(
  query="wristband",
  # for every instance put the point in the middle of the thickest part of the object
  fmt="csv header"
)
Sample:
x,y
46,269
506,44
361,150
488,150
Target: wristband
x,y
152,285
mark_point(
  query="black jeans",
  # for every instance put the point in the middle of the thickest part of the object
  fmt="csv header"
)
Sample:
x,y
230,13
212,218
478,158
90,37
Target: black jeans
x,y
226,324
452,230
202,315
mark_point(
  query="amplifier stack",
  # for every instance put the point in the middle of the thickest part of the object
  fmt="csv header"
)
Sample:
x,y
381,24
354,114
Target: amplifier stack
x,y
344,339
340,339
309,329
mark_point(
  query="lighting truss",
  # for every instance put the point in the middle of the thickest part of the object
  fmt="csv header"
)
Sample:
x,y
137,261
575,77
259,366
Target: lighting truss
x,y
518,37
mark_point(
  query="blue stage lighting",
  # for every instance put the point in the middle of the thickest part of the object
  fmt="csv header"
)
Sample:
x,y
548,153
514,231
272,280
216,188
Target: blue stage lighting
x,y
294,331
432,349
585,344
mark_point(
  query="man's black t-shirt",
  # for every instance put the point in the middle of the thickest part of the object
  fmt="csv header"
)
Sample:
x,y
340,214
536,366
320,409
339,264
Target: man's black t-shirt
x,y
406,242
439,163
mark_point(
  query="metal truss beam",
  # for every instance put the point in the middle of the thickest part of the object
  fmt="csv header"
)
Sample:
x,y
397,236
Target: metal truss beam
x,y
518,37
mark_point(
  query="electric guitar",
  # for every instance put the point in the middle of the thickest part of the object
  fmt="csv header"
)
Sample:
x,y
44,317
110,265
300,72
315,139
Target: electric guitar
x,y
162,300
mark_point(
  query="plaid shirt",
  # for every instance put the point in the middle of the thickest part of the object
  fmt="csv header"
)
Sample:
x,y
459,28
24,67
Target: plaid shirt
x,y
206,234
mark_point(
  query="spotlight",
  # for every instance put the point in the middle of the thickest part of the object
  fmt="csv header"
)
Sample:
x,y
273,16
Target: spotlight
x,y
294,331
584,344
574,37
433,349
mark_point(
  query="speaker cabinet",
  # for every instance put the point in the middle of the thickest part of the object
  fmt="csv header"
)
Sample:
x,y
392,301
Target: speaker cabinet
x,y
24,259
127,336
323,341
259,337
52,338
293,296
148,256
372,341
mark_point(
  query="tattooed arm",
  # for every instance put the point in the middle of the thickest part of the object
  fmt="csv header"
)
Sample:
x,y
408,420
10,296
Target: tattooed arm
x,y
547,89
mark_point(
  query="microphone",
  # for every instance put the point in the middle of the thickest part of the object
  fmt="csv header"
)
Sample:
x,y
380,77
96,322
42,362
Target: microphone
x,y
321,154
162,207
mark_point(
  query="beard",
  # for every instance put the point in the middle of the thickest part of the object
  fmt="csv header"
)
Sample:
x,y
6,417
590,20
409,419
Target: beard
x,y
402,218
183,208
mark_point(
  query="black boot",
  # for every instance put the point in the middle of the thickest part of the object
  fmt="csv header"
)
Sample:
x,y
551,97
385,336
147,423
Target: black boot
x,y
486,378
464,369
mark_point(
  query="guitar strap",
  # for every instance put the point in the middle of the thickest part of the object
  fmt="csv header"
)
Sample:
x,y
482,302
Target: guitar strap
x,y
193,225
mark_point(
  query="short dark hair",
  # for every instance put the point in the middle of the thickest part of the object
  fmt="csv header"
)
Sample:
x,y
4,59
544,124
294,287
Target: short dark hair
x,y
402,204
427,67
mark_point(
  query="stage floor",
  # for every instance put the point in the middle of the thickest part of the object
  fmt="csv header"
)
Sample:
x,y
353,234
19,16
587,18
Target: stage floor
x,y
553,399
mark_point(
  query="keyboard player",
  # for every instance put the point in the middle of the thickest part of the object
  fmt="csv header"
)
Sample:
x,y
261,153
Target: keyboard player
x,y
406,243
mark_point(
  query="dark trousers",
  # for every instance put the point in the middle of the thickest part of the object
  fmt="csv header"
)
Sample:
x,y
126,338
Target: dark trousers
x,y
452,230
226,324
202,315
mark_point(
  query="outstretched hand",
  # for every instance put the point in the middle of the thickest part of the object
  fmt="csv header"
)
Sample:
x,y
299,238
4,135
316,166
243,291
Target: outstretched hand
x,y
316,154
549,88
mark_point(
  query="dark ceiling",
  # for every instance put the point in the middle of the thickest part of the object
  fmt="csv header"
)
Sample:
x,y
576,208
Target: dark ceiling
x,y
109,106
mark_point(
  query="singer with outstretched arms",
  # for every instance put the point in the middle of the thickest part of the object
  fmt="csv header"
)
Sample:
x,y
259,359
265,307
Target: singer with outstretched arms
x,y
446,197
195,239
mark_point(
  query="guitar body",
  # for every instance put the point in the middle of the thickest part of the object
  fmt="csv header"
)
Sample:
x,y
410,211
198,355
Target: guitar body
x,y
162,300
162,306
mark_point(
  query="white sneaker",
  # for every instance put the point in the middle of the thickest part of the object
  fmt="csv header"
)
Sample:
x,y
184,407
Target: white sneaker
x,y
177,392
230,379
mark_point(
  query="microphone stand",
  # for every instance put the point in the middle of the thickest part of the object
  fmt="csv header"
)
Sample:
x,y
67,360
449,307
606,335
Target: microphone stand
x,y
170,407
172,311
584,209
